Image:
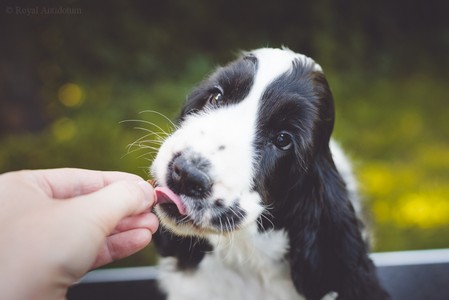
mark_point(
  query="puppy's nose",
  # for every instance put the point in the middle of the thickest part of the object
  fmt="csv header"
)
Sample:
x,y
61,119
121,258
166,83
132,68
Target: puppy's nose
x,y
189,176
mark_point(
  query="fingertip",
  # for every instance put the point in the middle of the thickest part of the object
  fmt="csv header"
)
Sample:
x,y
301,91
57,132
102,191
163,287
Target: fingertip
x,y
146,220
142,238
121,245
154,223
149,194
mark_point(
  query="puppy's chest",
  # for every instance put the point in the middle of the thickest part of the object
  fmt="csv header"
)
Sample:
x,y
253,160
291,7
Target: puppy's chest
x,y
246,266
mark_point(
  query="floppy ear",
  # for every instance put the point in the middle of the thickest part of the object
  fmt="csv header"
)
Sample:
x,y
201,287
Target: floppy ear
x,y
327,249
189,251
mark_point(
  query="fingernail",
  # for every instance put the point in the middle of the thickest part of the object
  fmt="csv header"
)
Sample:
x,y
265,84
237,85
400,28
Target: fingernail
x,y
149,192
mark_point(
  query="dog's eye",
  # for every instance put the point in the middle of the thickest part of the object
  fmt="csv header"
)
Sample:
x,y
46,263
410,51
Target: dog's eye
x,y
216,97
283,141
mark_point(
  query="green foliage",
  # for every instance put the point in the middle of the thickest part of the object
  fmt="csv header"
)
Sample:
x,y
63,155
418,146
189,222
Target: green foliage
x,y
116,126
396,130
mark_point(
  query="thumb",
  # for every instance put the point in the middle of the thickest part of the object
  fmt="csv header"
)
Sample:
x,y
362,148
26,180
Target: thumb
x,y
116,201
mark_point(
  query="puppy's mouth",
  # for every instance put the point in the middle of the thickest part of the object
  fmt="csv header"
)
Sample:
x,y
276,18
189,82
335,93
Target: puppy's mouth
x,y
170,200
187,216
172,210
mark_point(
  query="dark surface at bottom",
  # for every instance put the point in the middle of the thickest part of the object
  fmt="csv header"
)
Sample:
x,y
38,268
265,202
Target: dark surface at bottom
x,y
403,282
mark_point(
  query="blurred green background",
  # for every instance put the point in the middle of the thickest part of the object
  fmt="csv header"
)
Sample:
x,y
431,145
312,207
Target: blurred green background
x,y
79,81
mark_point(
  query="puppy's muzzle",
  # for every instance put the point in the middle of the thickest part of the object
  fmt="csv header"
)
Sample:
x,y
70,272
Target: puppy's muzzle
x,y
188,175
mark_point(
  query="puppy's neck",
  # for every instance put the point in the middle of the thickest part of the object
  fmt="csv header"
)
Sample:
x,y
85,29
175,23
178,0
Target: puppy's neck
x,y
251,248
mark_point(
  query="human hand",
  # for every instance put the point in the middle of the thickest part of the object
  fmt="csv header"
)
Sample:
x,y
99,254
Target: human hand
x,y
55,225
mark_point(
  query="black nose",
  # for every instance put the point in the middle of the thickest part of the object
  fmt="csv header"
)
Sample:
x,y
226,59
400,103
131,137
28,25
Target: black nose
x,y
188,175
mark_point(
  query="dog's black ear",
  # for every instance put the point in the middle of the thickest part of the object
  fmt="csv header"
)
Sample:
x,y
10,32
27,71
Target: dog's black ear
x,y
327,249
189,251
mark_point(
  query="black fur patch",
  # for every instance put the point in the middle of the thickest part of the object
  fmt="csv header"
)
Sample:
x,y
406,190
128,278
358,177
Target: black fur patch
x,y
293,103
188,250
230,218
235,81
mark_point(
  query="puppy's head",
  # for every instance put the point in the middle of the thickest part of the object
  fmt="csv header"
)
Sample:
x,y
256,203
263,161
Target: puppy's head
x,y
244,131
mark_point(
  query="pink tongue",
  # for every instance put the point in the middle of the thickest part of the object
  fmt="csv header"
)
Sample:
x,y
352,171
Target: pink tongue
x,y
165,195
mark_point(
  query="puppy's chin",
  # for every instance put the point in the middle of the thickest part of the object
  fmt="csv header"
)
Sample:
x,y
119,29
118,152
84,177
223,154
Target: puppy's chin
x,y
212,222
180,225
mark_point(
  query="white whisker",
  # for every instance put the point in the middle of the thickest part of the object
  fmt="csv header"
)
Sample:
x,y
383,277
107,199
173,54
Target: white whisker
x,y
162,115
145,122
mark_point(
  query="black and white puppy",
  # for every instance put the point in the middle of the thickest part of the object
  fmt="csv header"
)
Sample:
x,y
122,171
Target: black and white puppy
x,y
250,198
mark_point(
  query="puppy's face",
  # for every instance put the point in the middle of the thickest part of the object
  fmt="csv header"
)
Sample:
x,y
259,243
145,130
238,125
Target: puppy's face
x,y
241,133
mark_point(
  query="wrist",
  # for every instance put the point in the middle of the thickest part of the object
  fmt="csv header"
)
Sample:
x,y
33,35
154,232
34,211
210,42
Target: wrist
x,y
22,279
